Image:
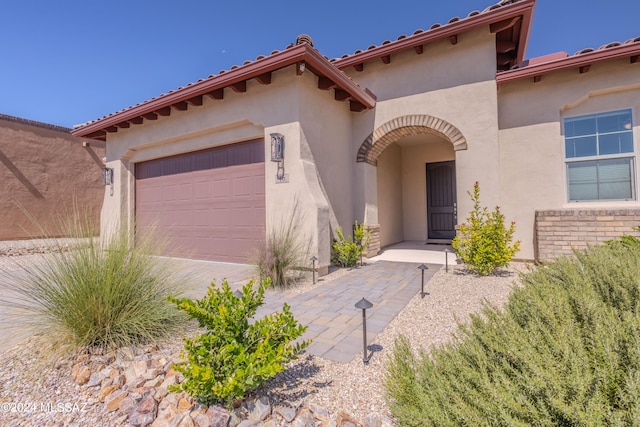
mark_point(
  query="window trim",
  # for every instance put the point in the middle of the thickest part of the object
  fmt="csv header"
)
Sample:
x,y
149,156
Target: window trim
x,y
632,156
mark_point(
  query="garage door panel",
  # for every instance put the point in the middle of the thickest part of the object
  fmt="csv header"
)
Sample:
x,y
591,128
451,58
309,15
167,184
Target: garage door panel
x,y
216,213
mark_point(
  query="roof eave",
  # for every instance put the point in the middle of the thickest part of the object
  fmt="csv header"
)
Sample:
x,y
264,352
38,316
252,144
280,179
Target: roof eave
x,y
524,8
299,53
570,62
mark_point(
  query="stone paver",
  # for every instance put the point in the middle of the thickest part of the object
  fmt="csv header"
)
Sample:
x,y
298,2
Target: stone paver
x,y
335,325
337,331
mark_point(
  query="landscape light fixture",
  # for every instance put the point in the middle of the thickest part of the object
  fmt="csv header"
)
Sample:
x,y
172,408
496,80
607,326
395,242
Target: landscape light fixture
x,y
277,154
446,251
422,267
237,294
313,269
364,304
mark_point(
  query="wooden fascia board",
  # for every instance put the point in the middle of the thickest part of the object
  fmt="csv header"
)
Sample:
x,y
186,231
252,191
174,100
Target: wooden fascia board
x,y
303,52
523,8
577,61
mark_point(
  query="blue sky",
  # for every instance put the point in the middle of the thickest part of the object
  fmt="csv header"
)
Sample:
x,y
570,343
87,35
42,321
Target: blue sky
x,y
69,61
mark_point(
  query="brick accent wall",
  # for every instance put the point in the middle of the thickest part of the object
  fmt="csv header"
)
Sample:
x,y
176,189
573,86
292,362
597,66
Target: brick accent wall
x,y
558,231
400,127
374,240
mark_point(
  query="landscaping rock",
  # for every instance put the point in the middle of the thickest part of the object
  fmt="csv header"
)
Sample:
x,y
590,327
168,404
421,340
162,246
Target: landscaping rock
x,y
218,417
259,409
113,401
144,413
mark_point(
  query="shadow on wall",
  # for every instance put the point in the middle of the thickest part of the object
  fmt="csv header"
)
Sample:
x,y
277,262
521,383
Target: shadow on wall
x,y
46,173
23,179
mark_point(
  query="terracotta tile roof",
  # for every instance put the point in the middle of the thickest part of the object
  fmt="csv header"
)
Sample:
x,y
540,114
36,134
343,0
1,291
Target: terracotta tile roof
x,y
263,65
511,19
455,25
580,60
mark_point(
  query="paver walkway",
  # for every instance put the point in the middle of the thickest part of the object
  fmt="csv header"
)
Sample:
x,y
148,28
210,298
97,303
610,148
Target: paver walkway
x,y
335,325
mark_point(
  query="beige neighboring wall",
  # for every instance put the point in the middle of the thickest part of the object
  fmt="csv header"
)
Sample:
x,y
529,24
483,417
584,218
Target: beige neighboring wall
x,y
532,144
45,171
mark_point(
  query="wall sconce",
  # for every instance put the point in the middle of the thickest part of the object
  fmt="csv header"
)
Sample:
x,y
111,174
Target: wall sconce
x,y
277,155
107,177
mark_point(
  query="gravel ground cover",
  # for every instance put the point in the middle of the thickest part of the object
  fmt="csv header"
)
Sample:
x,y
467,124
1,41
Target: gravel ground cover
x,y
355,388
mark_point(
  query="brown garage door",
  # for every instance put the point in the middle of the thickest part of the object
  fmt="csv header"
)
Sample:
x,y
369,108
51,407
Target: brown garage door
x,y
209,204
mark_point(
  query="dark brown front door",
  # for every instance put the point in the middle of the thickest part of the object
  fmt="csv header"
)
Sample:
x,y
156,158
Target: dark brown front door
x,y
441,200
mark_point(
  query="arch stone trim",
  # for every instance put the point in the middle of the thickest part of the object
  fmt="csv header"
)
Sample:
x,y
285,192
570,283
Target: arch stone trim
x,y
400,127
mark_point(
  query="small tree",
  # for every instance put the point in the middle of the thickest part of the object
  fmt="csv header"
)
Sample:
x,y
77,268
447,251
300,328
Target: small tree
x,y
483,242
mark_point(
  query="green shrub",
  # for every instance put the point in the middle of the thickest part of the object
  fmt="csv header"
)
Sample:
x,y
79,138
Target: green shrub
x,y
564,351
95,293
484,243
347,251
284,256
626,240
234,355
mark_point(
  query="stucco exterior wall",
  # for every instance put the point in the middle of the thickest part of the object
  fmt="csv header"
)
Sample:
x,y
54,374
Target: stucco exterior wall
x,y
327,127
45,171
455,83
317,134
390,196
532,142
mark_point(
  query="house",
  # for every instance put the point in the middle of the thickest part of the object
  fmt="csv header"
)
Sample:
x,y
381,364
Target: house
x,y
44,172
392,136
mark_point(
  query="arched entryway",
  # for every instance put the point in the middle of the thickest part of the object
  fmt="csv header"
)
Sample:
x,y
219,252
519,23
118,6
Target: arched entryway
x,y
415,192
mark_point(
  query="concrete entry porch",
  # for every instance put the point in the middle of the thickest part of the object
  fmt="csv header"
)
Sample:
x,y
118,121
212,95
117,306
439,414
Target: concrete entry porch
x,y
416,251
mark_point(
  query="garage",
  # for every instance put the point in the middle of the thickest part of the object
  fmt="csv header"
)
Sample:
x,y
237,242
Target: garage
x,y
208,204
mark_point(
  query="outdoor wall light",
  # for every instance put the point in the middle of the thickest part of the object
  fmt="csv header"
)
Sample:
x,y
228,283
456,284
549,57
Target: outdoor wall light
x,y
422,267
313,269
107,176
364,304
277,154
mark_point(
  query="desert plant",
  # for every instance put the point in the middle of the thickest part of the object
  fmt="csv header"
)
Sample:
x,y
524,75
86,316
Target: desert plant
x,y
284,256
484,243
347,251
91,292
564,351
234,356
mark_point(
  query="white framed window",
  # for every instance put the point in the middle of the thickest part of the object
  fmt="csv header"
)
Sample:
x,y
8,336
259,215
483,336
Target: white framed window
x,y
600,156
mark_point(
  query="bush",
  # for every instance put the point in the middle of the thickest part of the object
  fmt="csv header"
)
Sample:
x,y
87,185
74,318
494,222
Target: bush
x,y
564,351
95,293
234,356
284,255
347,251
484,243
